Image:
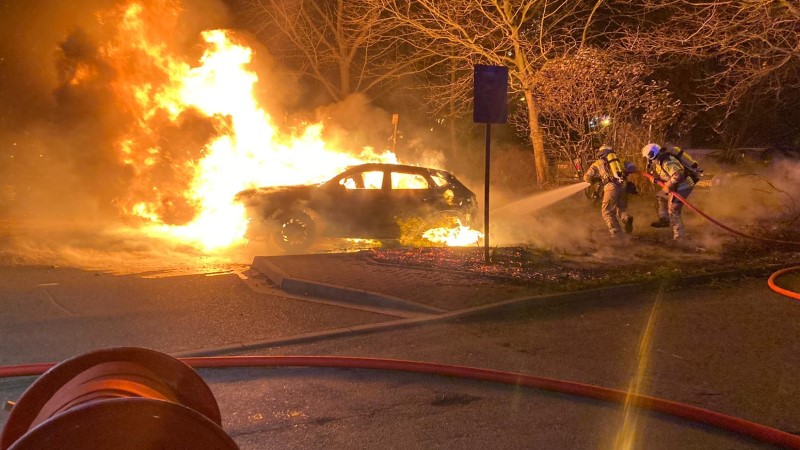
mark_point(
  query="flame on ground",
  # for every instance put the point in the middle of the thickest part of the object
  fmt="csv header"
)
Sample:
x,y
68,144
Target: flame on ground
x,y
457,236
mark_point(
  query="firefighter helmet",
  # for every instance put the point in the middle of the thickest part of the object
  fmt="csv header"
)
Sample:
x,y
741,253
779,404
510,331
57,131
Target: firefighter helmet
x,y
603,151
650,151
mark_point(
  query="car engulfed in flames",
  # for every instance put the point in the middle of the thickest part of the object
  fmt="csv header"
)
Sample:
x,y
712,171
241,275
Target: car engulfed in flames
x,y
183,126
368,201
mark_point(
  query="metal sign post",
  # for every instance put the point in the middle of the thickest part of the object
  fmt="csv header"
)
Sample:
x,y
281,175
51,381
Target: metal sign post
x,y
490,105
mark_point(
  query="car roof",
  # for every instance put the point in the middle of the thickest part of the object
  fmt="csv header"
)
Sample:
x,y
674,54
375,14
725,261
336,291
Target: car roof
x,y
401,167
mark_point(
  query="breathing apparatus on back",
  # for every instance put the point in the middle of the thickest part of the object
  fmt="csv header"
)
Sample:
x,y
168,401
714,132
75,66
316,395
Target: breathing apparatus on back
x,y
690,166
693,170
607,154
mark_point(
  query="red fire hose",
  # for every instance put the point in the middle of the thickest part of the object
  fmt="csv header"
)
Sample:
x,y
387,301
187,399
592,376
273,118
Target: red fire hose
x,y
780,290
774,276
733,424
716,222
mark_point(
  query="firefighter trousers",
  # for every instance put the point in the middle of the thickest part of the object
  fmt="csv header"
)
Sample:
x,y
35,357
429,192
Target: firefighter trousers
x,y
614,207
670,208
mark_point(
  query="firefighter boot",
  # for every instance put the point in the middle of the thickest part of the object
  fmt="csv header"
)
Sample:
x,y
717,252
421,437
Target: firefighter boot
x,y
662,222
627,222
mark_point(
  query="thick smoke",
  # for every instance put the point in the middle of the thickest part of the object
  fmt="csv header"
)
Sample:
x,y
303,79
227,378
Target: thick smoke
x,y
61,120
757,197
355,123
60,162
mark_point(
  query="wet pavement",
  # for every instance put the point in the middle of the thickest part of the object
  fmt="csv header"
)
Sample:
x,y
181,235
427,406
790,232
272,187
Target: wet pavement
x,y
726,344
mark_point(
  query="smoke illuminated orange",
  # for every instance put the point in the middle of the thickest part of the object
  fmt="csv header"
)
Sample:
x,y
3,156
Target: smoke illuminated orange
x,y
194,132
246,151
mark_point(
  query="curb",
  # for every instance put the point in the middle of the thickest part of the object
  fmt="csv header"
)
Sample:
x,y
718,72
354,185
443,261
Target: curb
x,y
516,304
361,297
502,307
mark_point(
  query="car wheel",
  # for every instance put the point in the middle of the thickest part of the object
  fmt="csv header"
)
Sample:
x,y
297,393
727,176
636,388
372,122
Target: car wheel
x,y
296,232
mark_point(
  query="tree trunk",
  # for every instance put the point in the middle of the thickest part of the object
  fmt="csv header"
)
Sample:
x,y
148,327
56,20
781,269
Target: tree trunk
x,y
344,80
537,139
453,114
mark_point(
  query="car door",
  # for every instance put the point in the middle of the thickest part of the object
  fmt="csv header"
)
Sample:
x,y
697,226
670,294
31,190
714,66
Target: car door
x,y
360,207
411,195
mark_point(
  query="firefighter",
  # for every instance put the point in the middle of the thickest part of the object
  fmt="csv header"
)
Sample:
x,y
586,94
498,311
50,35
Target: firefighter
x,y
671,175
609,172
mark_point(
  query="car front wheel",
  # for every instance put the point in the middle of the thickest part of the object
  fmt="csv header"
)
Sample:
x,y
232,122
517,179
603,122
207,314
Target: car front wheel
x,y
297,231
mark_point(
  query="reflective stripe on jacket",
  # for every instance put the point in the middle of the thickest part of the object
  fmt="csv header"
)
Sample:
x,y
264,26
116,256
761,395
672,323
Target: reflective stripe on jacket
x,y
669,170
598,171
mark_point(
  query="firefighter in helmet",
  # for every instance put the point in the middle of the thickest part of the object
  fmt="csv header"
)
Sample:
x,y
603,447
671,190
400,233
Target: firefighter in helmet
x,y
609,172
672,176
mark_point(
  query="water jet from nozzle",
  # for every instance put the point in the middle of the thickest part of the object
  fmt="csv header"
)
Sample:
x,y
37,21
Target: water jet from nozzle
x,y
535,202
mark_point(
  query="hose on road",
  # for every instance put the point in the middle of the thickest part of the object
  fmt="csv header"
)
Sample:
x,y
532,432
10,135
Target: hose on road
x,y
729,423
780,290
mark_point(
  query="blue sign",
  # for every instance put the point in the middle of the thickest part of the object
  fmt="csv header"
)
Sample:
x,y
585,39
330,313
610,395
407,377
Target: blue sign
x,y
490,97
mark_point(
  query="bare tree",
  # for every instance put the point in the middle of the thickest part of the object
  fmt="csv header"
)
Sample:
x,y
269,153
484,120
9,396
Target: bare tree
x,y
749,44
345,46
522,35
596,97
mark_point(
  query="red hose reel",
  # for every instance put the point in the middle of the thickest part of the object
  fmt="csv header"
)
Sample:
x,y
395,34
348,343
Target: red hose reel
x,y
121,398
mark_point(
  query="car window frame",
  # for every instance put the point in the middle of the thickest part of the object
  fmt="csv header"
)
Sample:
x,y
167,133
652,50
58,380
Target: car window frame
x,y
428,180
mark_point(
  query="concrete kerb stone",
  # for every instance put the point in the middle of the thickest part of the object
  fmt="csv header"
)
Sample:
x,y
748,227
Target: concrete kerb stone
x,y
503,307
477,311
299,286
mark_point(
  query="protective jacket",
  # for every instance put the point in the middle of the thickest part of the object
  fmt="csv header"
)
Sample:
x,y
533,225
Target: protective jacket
x,y
599,171
669,170
614,204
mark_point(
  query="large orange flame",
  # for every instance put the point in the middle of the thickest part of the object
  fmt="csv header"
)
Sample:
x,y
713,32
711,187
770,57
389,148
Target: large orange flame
x,y
246,150
195,133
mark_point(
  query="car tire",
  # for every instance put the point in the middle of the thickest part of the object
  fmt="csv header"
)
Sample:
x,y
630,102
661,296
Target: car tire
x,y
297,231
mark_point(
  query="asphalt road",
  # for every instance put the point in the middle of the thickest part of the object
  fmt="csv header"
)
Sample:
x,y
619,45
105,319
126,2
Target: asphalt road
x,y
730,347
54,313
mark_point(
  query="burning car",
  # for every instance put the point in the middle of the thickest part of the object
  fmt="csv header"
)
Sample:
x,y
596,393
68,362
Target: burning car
x,y
369,201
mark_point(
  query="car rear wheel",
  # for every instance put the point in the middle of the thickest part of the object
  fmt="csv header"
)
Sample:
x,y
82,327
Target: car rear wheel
x,y
297,231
